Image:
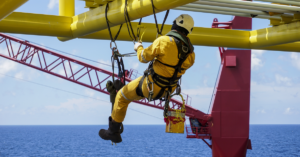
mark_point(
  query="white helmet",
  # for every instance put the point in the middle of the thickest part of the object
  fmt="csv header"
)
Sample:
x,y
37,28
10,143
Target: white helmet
x,y
185,21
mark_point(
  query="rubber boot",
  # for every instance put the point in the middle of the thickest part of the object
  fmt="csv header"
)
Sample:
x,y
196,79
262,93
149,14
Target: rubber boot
x,y
113,133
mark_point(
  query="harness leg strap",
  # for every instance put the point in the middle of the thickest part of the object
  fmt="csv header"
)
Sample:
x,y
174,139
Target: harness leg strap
x,y
139,90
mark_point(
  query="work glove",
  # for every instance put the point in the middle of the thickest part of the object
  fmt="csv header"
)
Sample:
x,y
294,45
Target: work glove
x,y
137,45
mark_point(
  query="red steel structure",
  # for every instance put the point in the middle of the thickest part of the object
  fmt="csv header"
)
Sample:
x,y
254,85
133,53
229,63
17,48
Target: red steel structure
x,y
231,106
226,125
73,70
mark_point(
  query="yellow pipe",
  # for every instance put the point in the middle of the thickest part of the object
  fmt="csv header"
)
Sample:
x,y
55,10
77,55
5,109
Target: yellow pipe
x,y
8,6
94,20
275,35
291,47
51,25
200,35
36,24
67,8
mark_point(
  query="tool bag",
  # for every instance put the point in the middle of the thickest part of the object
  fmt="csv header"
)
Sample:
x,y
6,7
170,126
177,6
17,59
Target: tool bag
x,y
175,119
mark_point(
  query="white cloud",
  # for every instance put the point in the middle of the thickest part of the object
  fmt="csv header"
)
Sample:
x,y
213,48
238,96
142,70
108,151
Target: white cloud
x,y
105,65
207,66
0,109
62,72
135,65
7,66
52,4
256,60
199,91
295,59
281,79
205,81
261,111
89,92
19,75
288,111
80,105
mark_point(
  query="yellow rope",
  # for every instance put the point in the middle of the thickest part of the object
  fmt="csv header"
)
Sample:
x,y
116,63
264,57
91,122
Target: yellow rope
x,y
140,27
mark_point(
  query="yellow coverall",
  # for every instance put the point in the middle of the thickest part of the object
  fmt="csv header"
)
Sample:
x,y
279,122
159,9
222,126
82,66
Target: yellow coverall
x,y
163,49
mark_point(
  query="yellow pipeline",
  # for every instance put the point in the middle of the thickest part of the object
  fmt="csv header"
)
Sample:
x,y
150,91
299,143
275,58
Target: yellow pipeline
x,y
8,6
51,25
36,24
67,8
275,35
94,20
200,35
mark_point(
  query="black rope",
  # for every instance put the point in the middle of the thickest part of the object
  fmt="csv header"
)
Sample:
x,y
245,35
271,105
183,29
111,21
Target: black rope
x,y
138,31
162,26
107,22
115,52
128,22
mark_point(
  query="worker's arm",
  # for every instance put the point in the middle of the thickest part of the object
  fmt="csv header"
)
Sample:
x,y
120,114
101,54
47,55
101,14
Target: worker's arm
x,y
149,53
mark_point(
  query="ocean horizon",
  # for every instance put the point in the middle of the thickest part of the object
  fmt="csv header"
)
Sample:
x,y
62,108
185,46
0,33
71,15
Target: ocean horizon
x,y
138,140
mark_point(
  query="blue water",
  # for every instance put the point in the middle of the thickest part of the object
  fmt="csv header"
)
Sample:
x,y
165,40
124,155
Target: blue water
x,y
267,140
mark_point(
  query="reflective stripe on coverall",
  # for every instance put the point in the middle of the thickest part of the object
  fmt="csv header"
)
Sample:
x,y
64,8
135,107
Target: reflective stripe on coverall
x,y
163,49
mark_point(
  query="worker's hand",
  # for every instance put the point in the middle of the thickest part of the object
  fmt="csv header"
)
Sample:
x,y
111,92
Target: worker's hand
x,y
137,45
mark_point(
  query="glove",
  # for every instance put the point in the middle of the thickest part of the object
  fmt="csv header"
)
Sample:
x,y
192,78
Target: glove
x,y
137,45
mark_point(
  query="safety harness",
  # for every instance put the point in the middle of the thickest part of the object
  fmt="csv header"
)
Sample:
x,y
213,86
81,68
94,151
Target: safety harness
x,y
184,47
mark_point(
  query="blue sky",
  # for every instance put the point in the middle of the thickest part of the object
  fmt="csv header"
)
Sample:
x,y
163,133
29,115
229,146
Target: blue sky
x,y
275,80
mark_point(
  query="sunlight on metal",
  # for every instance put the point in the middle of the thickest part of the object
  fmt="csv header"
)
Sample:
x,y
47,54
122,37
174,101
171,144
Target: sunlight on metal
x,y
200,36
36,24
208,7
275,35
95,3
8,6
290,47
67,8
94,20
258,4
245,6
229,13
283,2
51,25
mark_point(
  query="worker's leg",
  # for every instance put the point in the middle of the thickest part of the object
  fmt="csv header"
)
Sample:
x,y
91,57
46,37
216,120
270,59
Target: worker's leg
x,y
123,98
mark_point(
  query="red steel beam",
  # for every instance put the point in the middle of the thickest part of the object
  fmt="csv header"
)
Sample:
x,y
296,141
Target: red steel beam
x,y
31,51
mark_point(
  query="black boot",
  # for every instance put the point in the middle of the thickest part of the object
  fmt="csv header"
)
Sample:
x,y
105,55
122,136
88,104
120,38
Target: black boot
x,y
113,133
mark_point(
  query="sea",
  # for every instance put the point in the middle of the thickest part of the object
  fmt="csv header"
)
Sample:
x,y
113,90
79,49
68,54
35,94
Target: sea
x,y
138,141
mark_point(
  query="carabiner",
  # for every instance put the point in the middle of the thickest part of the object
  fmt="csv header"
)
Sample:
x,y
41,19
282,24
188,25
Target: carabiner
x,y
114,44
150,91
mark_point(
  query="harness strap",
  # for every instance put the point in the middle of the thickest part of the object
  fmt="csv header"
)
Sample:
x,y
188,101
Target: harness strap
x,y
162,80
166,83
139,90
172,66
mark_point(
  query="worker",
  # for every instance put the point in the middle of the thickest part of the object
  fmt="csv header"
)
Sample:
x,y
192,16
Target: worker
x,y
170,56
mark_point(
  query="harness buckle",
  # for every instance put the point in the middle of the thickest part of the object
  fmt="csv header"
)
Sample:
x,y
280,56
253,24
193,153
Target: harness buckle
x,y
114,44
150,91
115,53
185,49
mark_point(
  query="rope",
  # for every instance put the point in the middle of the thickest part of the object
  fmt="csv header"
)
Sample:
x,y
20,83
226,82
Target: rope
x,y
128,23
107,22
138,31
115,52
162,26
